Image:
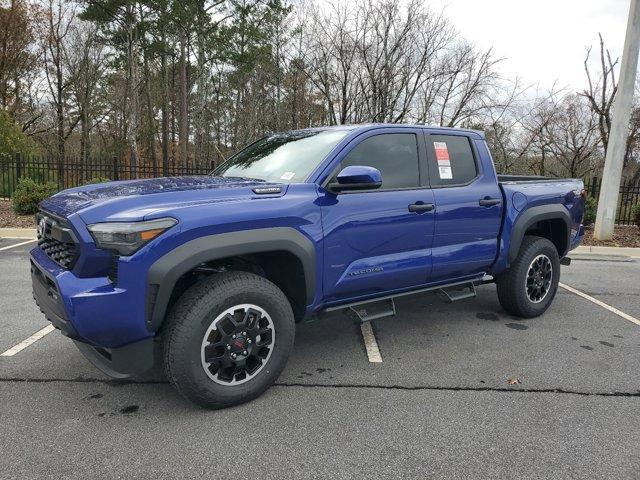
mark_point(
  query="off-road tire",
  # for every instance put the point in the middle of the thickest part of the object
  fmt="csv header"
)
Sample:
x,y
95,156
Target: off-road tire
x,y
511,286
193,314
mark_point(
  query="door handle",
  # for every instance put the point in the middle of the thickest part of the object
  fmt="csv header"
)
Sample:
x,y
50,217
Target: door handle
x,y
489,202
421,207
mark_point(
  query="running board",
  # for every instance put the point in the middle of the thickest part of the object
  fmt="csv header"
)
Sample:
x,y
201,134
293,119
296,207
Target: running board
x,y
386,306
454,294
374,310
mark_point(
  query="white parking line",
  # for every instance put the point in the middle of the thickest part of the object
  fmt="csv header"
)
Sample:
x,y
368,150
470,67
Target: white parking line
x,y
16,245
602,304
370,343
25,343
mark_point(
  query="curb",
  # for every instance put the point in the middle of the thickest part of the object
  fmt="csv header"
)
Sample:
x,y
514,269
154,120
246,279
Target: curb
x,y
26,233
594,250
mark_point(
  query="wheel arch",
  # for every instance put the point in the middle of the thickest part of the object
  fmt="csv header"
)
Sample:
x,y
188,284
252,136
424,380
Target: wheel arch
x,y
549,221
167,270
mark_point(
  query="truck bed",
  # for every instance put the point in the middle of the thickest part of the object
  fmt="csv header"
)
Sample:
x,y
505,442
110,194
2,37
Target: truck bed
x,y
515,179
522,193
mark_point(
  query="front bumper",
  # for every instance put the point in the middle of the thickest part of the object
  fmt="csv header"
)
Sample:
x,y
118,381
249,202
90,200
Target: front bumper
x,y
47,297
95,314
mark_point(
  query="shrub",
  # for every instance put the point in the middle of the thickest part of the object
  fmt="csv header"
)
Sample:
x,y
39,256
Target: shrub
x,y
97,180
590,210
28,194
635,211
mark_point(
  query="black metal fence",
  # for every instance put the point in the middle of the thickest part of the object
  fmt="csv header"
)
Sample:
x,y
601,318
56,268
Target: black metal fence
x,y
74,172
629,197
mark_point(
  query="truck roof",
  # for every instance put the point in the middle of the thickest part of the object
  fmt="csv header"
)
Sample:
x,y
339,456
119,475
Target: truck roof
x,y
370,126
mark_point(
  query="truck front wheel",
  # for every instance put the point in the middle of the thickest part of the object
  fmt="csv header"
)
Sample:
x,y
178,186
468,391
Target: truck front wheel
x,y
227,339
529,286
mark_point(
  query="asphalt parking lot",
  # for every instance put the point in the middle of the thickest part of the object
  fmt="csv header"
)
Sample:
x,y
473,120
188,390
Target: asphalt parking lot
x,y
439,405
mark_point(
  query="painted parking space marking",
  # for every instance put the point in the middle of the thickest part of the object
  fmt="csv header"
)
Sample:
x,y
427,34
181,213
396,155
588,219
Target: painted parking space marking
x,y
25,343
620,313
16,245
370,343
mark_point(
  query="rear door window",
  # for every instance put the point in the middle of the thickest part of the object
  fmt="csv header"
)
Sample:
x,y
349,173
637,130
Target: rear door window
x,y
451,160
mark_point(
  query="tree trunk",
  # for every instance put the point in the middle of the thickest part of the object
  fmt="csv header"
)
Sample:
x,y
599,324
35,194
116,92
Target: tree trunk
x,y
134,104
165,110
183,125
151,124
84,143
60,115
202,91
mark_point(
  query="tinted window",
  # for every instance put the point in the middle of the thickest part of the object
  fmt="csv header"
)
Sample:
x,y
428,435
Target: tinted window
x,y
451,160
395,155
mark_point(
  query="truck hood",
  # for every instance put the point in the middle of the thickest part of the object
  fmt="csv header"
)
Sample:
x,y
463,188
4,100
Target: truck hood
x,y
165,190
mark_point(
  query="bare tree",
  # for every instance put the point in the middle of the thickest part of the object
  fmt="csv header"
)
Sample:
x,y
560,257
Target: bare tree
x,y
85,63
370,61
60,17
572,138
514,130
329,58
601,90
396,49
467,86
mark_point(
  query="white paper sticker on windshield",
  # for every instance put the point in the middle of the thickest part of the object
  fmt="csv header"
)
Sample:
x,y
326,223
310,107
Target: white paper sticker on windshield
x,y
288,175
445,173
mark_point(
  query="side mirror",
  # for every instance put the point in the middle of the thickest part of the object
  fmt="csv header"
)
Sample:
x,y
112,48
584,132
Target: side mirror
x,y
356,177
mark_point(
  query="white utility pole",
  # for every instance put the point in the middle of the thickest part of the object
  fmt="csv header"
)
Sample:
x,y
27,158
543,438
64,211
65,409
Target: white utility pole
x,y
608,201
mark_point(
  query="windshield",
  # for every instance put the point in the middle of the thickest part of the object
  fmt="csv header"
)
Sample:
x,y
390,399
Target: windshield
x,y
284,158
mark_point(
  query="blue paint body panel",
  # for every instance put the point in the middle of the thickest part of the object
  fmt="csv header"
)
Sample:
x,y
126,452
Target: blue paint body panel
x,y
367,244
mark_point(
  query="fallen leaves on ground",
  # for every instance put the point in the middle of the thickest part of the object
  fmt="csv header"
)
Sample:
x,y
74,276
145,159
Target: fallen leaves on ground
x,y
623,236
8,219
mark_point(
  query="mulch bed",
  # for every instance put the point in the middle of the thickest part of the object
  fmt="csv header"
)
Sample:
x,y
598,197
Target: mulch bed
x,y
623,236
8,219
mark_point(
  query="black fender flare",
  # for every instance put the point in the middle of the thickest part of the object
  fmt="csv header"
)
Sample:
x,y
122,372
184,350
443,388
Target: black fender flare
x,y
532,216
165,272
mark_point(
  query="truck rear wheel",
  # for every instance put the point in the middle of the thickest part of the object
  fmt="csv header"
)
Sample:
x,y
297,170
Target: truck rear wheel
x,y
529,286
228,338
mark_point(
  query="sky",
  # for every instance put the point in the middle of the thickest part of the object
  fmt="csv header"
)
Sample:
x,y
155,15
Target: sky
x,y
544,41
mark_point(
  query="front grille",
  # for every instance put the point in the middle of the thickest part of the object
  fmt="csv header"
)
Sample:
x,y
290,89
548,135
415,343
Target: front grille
x,y
63,253
56,240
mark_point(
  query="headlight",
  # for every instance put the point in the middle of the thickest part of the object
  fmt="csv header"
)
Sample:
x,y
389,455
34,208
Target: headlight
x,y
127,238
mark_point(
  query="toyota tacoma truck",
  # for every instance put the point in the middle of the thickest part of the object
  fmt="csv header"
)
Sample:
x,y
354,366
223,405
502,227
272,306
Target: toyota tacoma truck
x,y
209,275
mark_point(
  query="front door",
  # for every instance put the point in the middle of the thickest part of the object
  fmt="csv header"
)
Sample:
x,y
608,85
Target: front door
x,y
379,240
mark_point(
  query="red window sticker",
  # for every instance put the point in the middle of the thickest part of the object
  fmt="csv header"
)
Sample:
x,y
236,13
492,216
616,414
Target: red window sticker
x,y
442,153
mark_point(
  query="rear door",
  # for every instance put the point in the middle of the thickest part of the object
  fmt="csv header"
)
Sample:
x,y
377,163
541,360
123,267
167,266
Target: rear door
x,y
378,240
468,207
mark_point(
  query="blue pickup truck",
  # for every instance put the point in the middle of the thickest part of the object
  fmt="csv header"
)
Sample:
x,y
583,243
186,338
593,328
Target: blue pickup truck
x,y
208,275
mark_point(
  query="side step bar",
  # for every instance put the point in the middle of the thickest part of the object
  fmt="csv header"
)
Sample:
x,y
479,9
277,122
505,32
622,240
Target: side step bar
x,y
375,308
453,294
